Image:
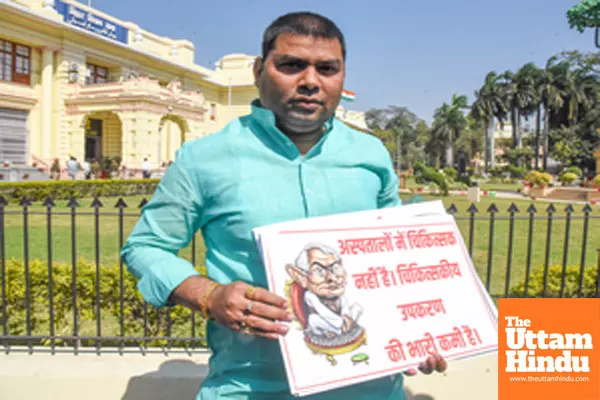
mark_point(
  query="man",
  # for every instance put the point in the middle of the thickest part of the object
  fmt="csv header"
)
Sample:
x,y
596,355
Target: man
x,y
319,271
146,169
288,159
73,168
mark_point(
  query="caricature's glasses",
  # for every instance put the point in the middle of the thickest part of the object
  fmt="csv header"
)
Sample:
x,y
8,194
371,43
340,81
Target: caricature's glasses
x,y
318,272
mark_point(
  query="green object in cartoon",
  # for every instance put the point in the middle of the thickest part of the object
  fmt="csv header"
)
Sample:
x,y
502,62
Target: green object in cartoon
x,y
360,358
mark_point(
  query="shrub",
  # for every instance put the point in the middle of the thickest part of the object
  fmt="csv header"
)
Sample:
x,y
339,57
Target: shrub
x,y
597,181
574,170
62,190
555,273
536,178
568,178
134,305
451,173
516,172
425,174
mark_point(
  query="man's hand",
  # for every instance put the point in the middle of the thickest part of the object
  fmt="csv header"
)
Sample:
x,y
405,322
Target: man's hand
x,y
253,310
347,323
432,363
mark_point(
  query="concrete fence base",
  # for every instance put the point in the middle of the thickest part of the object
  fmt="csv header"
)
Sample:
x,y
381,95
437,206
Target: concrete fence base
x,y
177,376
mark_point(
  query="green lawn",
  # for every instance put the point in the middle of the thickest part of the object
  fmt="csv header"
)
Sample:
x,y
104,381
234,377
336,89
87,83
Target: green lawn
x,y
108,235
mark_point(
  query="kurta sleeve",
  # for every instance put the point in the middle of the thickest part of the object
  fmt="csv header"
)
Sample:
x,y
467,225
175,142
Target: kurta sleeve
x,y
166,225
389,195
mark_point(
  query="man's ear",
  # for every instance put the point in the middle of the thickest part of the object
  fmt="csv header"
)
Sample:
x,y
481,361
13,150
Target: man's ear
x,y
257,69
298,275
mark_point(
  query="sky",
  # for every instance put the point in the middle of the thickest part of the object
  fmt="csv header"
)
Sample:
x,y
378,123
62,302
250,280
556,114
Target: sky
x,y
410,53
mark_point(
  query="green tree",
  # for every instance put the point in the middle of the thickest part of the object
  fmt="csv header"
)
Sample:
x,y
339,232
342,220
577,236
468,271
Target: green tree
x,y
449,123
585,15
489,104
398,128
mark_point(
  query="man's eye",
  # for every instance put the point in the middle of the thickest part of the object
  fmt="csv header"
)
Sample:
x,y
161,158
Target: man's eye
x,y
291,67
328,70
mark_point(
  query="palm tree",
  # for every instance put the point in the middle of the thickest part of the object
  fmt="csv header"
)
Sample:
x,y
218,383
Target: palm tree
x,y
489,103
520,94
552,97
449,122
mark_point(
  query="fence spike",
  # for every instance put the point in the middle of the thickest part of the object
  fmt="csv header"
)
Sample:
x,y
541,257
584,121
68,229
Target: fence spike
x,y
569,209
73,203
473,209
96,203
493,209
452,209
513,208
3,201
532,209
586,209
121,203
49,202
551,209
25,202
143,203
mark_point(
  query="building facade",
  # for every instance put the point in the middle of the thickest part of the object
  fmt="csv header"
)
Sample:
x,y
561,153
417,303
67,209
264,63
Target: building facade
x,y
75,81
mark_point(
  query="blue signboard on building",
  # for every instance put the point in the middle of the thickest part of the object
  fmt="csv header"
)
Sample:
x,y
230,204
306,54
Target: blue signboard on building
x,y
92,22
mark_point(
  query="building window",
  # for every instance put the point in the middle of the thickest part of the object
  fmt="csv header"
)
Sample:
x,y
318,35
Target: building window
x,y
96,74
213,112
15,62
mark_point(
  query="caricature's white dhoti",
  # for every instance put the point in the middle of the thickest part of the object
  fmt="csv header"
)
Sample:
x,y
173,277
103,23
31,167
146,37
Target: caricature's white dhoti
x,y
323,320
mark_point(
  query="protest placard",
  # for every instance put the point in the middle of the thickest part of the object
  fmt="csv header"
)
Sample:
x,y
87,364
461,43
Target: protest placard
x,y
374,293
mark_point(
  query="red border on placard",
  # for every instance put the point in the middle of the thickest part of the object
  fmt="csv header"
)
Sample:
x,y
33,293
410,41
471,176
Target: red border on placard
x,y
465,258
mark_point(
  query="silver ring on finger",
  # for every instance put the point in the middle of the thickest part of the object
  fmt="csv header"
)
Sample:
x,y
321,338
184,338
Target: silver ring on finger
x,y
249,306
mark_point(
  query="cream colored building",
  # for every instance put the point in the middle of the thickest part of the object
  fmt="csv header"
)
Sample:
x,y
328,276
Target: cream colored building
x,y
76,81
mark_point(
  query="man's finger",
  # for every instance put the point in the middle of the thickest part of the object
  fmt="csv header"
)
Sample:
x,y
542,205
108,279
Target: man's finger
x,y
441,364
266,335
265,325
269,312
427,366
270,298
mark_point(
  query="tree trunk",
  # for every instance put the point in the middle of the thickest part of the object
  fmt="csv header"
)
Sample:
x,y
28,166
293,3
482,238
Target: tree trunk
x,y
486,151
492,156
519,134
538,127
513,121
546,144
449,156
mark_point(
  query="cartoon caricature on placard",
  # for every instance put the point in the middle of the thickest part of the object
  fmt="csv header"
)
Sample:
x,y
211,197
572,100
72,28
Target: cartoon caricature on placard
x,y
317,297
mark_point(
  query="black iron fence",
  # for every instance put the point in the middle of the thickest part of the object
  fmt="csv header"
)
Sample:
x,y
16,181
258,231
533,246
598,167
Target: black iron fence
x,y
63,283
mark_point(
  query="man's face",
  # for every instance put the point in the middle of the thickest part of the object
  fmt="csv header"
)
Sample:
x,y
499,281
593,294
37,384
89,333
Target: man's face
x,y
326,276
301,81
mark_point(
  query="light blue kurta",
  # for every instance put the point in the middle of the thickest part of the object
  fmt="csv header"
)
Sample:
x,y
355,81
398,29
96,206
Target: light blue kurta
x,y
247,175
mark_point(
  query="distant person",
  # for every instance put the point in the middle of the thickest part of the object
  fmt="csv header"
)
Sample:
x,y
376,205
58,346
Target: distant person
x,y
73,168
87,169
55,169
288,159
146,169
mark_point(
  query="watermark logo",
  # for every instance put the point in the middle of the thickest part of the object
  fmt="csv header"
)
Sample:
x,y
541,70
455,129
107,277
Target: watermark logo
x,y
549,349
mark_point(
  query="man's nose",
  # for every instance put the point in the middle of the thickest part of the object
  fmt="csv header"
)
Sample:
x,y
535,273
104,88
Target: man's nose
x,y
310,82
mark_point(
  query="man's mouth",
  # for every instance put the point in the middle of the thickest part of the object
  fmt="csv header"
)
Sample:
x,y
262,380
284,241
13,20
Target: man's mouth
x,y
307,104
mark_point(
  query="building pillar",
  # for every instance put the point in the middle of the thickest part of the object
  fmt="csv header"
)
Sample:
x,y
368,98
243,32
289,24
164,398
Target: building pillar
x,y
47,84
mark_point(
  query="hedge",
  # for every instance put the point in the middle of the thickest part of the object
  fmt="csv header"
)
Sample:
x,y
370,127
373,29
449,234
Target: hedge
x,y
63,190
425,174
555,273
86,305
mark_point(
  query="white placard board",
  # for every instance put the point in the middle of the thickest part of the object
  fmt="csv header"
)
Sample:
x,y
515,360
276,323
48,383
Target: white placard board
x,y
374,293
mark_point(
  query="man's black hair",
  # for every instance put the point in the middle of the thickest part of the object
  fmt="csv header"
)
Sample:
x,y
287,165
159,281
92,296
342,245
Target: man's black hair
x,y
303,23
